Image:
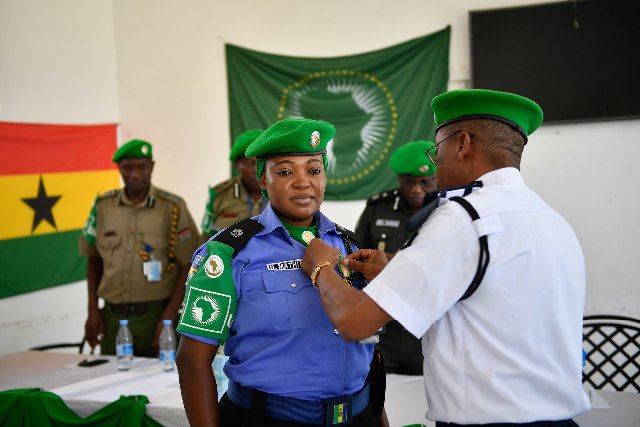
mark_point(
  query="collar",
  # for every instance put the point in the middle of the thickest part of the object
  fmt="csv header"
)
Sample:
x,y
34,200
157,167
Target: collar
x,y
271,222
502,176
148,201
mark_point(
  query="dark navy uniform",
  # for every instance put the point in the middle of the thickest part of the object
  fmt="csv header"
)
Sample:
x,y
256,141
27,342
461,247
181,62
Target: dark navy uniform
x,y
382,226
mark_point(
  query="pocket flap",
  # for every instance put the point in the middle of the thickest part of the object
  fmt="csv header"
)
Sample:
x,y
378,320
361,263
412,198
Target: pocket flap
x,y
285,281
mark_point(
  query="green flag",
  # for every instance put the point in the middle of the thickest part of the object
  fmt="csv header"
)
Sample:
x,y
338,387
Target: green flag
x,y
377,101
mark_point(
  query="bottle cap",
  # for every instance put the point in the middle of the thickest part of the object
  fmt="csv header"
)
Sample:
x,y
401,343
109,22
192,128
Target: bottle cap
x,y
124,322
166,322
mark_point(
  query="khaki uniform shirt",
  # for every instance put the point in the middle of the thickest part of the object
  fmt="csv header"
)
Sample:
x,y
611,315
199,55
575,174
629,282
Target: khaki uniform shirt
x,y
381,225
228,203
121,231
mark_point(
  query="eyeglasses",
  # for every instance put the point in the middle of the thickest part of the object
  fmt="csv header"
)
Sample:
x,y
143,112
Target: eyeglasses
x,y
432,152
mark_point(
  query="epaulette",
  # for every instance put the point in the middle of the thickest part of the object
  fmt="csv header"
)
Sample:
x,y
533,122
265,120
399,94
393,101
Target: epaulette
x,y
385,195
110,193
239,234
350,234
224,185
170,196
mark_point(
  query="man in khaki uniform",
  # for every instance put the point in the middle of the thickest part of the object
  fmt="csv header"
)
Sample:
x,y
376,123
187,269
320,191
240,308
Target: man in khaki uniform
x,y
236,198
139,240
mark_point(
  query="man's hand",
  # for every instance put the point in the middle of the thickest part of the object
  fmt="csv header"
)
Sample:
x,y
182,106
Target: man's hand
x,y
367,261
317,252
94,328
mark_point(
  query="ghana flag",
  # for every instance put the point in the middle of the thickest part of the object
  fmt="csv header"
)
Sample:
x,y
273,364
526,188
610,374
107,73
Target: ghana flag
x,y
49,177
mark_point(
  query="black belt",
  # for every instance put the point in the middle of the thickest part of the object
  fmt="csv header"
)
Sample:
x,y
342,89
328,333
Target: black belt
x,y
337,411
135,307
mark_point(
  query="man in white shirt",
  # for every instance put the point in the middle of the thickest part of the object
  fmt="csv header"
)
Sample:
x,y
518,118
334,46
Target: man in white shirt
x,y
499,300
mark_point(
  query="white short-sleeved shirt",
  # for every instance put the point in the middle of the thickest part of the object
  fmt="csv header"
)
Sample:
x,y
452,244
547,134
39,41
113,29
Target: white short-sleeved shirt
x,y
512,352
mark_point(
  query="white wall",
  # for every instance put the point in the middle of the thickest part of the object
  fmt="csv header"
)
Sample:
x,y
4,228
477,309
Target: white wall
x,y
172,89
57,65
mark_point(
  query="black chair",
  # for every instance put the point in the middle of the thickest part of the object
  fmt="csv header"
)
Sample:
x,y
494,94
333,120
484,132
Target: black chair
x,y
79,345
612,344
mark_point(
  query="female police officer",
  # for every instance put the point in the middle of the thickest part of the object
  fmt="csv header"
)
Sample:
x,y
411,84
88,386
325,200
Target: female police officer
x,y
287,365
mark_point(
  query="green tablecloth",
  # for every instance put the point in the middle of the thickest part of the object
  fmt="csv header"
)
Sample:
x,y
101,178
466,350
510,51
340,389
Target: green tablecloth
x,y
38,408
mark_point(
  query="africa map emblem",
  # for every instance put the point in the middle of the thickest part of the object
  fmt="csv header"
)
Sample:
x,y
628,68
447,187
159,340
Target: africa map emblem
x,y
205,310
364,142
213,266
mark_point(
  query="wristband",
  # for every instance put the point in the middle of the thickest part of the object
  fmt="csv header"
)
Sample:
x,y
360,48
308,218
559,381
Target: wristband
x,y
316,270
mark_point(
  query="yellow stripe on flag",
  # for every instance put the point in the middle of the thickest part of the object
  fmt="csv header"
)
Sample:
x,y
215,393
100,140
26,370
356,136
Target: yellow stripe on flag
x,y
77,192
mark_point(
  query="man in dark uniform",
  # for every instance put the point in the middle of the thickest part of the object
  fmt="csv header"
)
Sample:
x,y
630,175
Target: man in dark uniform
x,y
382,226
238,197
138,240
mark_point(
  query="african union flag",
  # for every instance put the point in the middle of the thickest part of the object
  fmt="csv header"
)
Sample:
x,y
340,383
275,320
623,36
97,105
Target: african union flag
x,y
49,177
376,100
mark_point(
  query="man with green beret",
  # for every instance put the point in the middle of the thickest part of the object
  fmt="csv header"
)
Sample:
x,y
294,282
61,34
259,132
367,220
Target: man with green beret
x,y
238,197
494,281
382,226
138,240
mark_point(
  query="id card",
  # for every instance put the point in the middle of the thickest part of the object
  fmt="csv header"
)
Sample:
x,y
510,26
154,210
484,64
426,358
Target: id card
x,y
153,270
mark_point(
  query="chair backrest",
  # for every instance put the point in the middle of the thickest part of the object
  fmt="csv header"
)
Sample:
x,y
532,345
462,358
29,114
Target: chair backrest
x,y
79,345
612,344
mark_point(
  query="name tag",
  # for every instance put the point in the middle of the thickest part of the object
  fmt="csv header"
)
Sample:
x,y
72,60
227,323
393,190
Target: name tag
x,y
293,264
381,222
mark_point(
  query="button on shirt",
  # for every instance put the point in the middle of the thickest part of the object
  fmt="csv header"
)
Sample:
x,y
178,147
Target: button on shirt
x,y
512,351
281,341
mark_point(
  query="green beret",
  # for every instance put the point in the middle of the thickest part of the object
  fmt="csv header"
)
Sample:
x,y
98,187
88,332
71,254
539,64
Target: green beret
x,y
411,159
133,148
292,137
521,113
242,142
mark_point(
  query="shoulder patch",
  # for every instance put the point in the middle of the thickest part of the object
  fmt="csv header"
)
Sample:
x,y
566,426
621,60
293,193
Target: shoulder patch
x,y
170,196
224,185
210,295
380,197
239,234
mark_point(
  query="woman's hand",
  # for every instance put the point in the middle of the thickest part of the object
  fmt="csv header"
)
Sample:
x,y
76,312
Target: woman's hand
x,y
317,252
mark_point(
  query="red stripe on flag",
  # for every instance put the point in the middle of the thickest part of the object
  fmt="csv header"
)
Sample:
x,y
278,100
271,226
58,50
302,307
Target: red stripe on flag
x,y
32,148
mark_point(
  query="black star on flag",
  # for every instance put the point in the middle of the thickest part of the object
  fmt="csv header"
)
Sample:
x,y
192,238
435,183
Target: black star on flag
x,y
42,206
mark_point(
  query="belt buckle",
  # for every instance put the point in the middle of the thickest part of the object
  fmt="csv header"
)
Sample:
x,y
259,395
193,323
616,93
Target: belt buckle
x,y
337,411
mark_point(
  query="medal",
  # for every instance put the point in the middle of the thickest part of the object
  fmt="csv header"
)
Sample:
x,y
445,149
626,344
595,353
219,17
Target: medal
x,y
308,236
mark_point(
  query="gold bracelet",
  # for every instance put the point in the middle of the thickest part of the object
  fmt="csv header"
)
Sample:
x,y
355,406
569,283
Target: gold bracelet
x,y
314,274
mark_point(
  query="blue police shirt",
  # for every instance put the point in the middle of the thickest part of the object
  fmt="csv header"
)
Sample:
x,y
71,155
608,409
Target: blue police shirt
x,y
281,341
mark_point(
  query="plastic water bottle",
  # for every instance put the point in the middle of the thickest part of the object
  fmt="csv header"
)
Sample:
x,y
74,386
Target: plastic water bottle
x,y
167,346
124,346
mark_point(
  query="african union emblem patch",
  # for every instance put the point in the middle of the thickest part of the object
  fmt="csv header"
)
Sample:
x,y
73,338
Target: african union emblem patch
x,y
206,310
363,142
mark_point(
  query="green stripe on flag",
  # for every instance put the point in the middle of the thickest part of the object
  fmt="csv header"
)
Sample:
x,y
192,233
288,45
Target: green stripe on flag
x,y
32,263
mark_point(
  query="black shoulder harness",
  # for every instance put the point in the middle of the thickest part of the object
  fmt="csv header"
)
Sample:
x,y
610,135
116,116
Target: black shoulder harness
x,y
483,259
239,234
431,202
